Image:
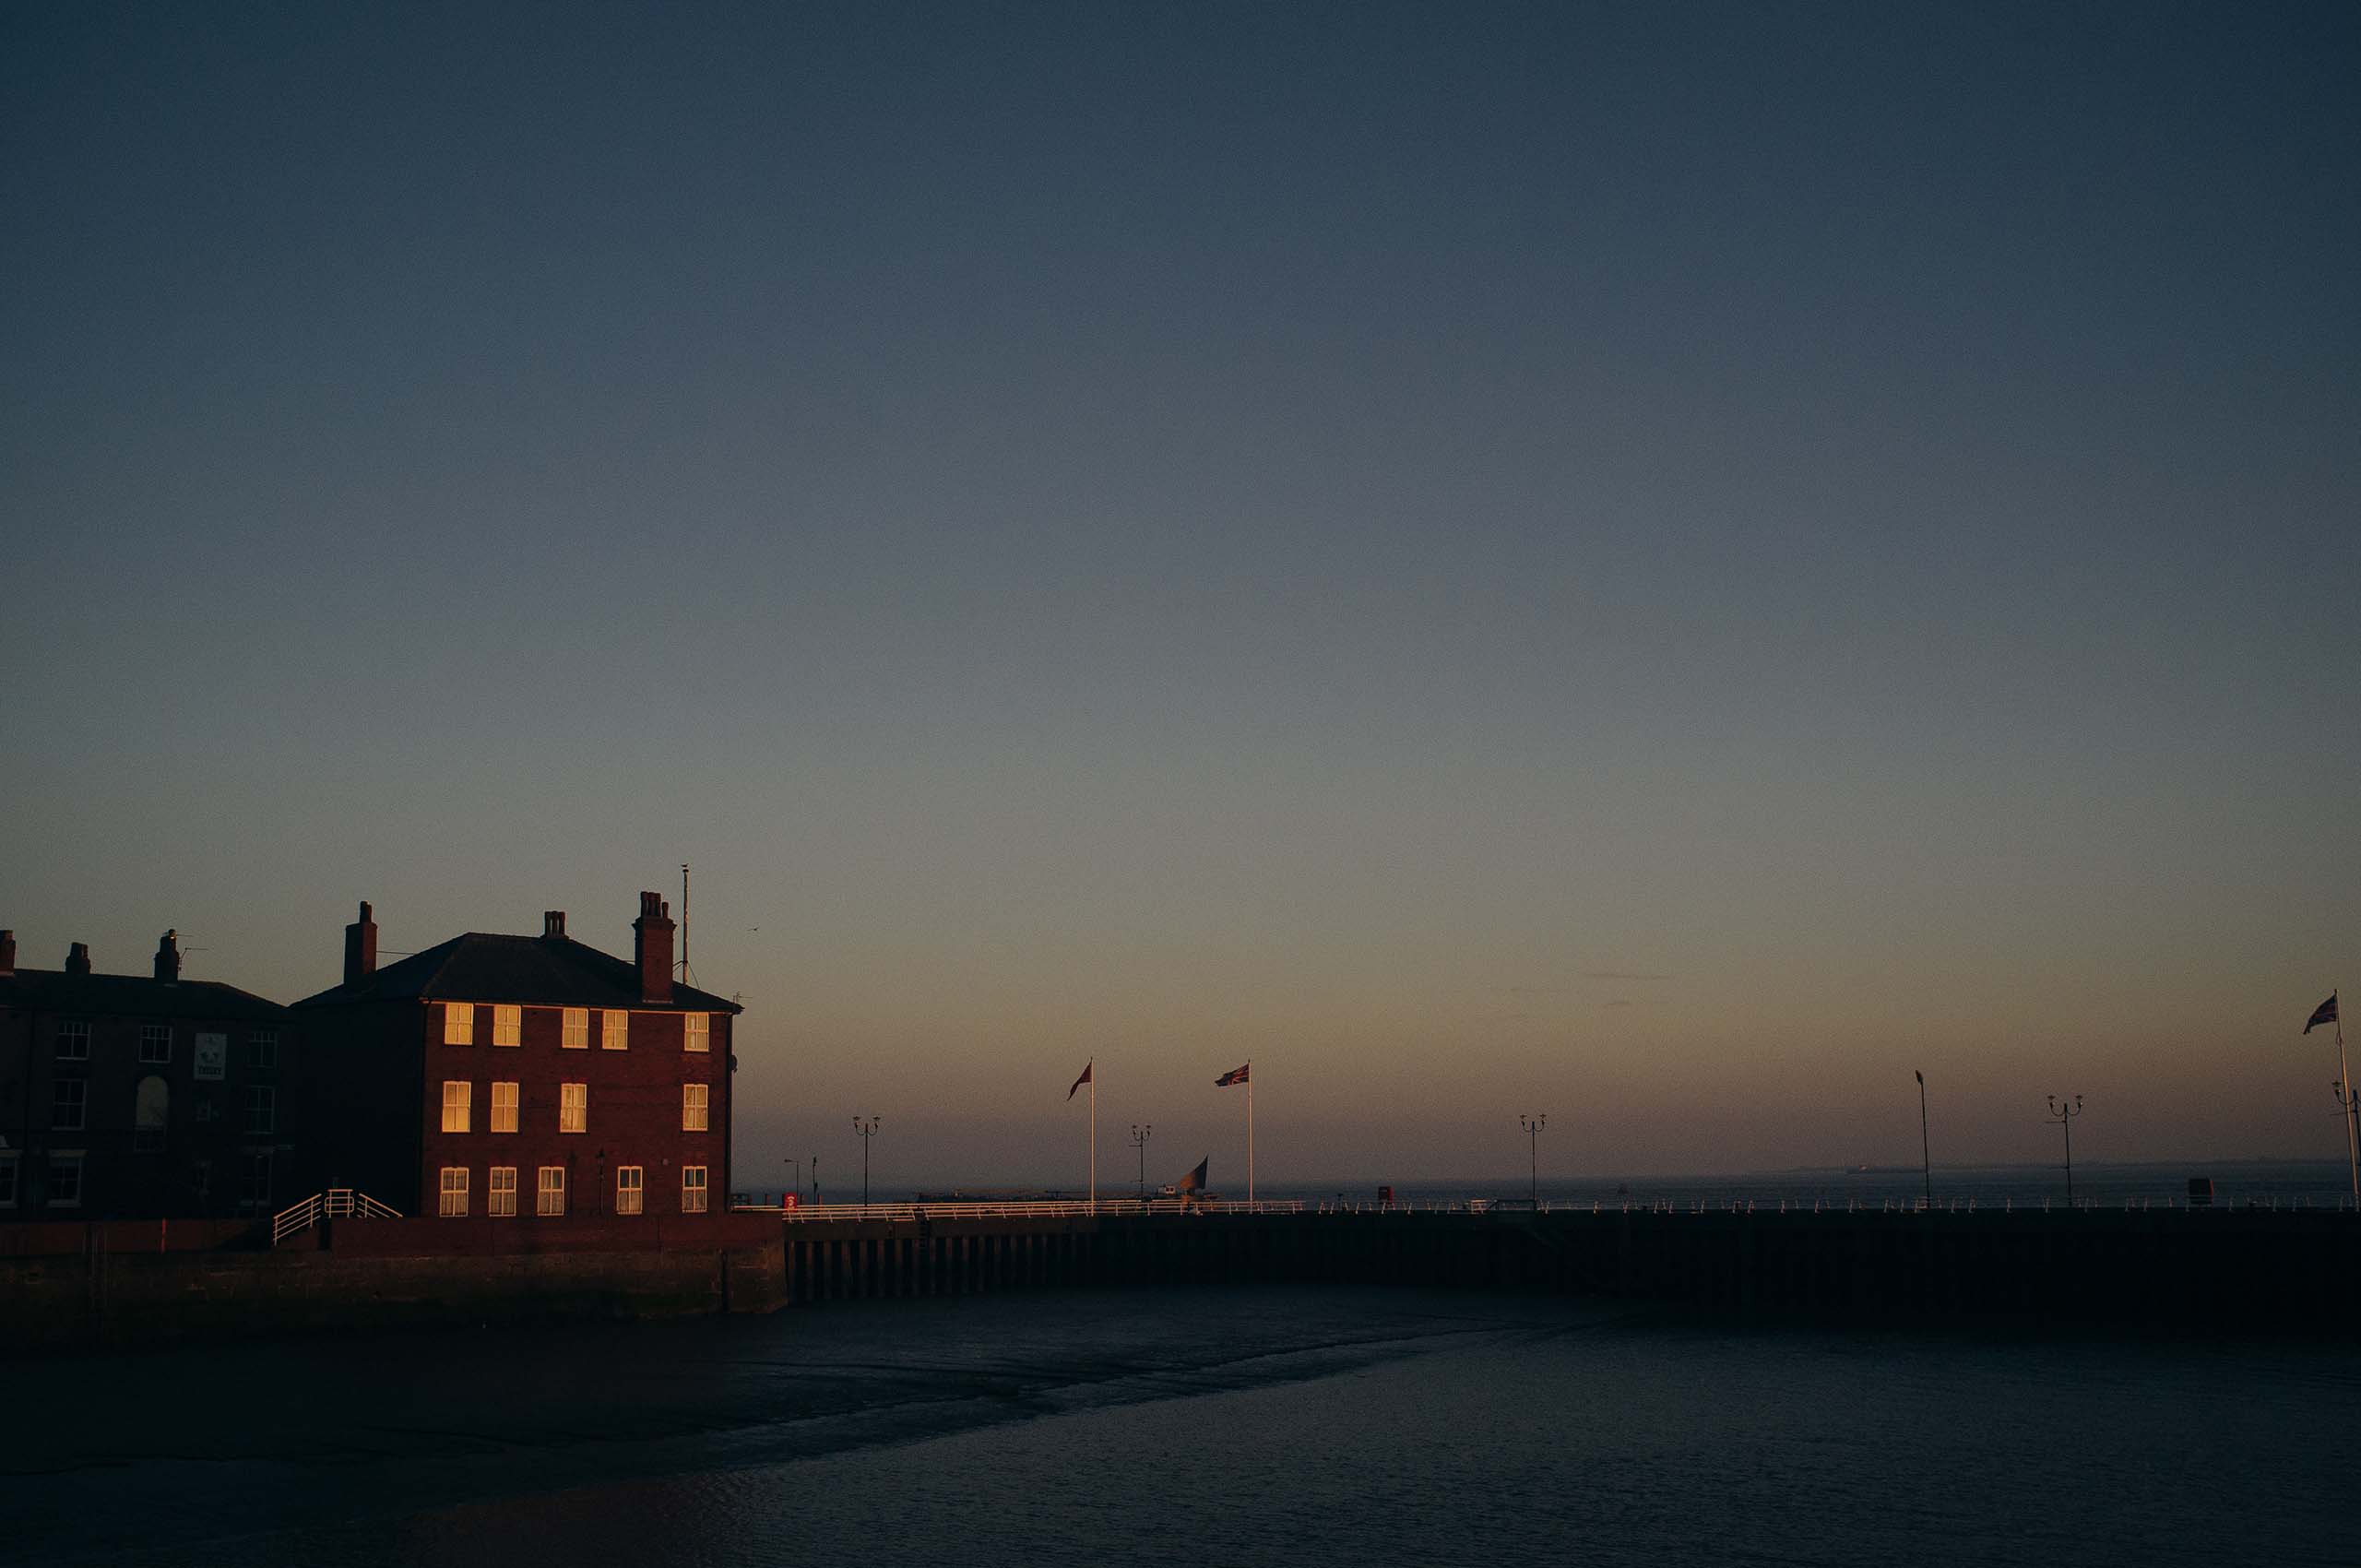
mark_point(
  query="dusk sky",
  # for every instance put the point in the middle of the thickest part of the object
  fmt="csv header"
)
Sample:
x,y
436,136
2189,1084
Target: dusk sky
x,y
1666,565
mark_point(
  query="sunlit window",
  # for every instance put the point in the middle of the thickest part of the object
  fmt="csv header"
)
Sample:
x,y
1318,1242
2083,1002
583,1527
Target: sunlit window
x,y
692,1189
458,1103
693,1107
508,1025
550,1199
459,1023
574,1107
454,1197
629,1189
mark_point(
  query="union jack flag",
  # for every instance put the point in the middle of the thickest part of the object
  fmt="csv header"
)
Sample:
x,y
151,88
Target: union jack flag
x,y
2323,1014
1237,1076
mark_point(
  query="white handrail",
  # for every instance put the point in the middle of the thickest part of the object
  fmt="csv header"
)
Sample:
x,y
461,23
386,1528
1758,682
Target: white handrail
x,y
337,1202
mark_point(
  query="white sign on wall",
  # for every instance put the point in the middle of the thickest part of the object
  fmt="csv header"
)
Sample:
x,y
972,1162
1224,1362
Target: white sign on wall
x,y
212,1055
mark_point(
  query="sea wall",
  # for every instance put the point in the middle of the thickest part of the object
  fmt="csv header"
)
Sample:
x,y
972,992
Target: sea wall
x,y
378,1274
2178,1270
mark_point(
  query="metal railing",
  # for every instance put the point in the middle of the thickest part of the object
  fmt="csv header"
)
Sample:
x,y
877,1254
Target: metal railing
x,y
1066,1208
337,1202
1076,1207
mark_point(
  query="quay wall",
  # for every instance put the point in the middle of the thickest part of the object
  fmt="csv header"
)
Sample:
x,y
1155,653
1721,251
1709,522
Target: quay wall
x,y
376,1274
2178,1271
2244,1272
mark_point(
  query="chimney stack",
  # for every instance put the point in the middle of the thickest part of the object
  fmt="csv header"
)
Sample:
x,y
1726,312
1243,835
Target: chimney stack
x,y
77,959
553,922
360,947
168,956
651,948
7,952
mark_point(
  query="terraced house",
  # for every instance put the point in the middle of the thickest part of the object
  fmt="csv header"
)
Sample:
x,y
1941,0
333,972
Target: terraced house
x,y
532,1078
140,1095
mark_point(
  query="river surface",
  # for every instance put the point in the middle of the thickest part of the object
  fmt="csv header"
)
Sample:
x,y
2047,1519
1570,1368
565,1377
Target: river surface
x,y
1209,1427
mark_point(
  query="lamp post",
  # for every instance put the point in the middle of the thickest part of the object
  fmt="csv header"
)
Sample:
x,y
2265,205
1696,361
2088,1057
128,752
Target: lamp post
x,y
815,1178
1925,1153
1533,1125
1140,1131
2064,1115
867,1130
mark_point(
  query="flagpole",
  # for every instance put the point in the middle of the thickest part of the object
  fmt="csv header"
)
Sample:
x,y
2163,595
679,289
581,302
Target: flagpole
x,y
1094,1139
2352,1134
1250,1130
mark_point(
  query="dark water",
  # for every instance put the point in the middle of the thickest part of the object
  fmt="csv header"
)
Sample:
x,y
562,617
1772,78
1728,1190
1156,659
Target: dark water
x,y
1250,1426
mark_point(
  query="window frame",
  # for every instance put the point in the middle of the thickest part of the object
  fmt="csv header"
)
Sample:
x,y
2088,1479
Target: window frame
x,y
76,1160
505,1113
447,1189
79,1099
507,1026
701,1186
261,1051
458,1108
697,1032
73,1040
614,1028
574,1029
499,1198
631,1195
459,1023
696,1107
152,1035
262,1098
549,1193
574,1103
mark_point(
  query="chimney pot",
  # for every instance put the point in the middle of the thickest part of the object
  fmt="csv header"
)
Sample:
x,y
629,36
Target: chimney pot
x,y
77,959
552,923
651,949
168,956
360,947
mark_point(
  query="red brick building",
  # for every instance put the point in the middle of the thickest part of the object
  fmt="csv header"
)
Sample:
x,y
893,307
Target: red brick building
x,y
139,1096
527,1077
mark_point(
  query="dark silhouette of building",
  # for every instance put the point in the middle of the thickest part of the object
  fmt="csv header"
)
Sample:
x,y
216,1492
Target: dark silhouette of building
x,y
532,1077
140,1095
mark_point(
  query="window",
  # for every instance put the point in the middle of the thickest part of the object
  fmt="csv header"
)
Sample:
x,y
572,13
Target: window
x,y
458,1100
254,1187
574,1107
73,1040
262,1049
614,1030
455,1192
504,1107
629,1189
459,1023
155,1043
693,1102
577,1035
262,1109
692,1189
508,1025
500,1199
8,1180
65,1179
69,1105
696,1032
151,1112
550,1199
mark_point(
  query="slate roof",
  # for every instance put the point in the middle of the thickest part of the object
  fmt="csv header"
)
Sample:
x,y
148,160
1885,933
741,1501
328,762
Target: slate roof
x,y
548,971
54,991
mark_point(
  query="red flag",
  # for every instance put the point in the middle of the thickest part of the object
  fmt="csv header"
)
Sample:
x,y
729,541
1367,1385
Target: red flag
x,y
1237,1076
1084,1079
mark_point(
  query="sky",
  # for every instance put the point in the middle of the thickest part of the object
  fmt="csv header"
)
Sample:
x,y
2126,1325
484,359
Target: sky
x,y
1664,565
